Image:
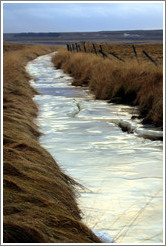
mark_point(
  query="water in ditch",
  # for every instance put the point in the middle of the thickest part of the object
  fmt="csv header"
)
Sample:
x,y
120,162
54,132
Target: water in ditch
x,y
122,172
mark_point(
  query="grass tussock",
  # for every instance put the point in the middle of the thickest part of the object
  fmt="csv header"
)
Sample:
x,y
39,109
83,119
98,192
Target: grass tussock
x,y
39,198
119,82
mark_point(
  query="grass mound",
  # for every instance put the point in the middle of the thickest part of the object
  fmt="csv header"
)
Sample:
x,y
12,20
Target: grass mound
x,y
39,198
119,82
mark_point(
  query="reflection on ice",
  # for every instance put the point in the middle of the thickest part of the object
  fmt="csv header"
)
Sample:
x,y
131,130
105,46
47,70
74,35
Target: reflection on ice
x,y
122,172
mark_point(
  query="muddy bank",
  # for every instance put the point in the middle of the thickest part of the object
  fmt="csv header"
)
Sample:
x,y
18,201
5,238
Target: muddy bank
x,y
39,198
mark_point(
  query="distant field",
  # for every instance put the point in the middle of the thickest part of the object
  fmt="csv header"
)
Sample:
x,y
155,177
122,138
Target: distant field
x,y
127,37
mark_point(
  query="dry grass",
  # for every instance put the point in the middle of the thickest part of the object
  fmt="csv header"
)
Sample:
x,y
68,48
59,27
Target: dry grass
x,y
126,52
39,199
120,82
12,47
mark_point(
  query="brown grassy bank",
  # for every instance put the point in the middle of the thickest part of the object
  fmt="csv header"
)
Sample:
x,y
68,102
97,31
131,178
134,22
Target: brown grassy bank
x,y
120,82
39,198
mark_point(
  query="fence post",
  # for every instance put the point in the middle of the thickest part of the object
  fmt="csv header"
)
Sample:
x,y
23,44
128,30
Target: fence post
x,y
101,48
102,52
113,54
68,47
149,57
76,47
94,48
135,52
73,47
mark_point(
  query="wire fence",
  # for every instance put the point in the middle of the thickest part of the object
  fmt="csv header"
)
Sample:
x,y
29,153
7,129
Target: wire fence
x,y
99,49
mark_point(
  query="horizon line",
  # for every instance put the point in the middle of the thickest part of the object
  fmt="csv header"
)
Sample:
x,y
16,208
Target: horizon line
x,y
126,30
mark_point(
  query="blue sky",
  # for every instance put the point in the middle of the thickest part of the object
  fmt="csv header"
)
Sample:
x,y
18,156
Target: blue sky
x,y
80,17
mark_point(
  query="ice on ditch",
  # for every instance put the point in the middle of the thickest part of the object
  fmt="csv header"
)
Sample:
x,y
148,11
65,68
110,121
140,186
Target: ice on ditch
x,y
100,146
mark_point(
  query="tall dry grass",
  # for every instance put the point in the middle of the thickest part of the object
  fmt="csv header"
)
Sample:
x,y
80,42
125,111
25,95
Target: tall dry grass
x,y
39,198
129,82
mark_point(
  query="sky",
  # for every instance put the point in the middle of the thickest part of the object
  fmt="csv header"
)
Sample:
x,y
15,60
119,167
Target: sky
x,y
81,17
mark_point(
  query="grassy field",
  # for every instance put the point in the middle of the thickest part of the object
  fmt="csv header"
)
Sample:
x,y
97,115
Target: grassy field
x,y
39,198
134,82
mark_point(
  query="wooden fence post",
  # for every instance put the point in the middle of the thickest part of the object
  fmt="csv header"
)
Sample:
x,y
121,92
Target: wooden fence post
x,y
113,54
135,52
101,48
149,57
76,47
94,48
68,47
73,47
102,52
